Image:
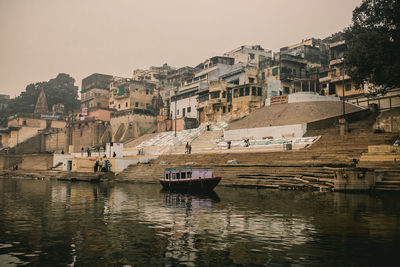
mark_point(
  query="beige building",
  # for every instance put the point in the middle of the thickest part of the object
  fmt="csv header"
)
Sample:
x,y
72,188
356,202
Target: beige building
x,y
127,94
335,81
246,98
24,128
287,75
95,91
155,75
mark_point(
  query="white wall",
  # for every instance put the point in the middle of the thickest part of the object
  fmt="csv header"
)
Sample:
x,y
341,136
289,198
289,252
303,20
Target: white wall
x,y
304,97
185,103
296,130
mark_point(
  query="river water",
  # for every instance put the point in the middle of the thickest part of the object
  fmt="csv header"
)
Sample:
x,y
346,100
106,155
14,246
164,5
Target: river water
x,y
52,223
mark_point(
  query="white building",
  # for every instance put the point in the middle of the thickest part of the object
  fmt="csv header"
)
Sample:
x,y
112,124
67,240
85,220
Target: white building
x,y
249,54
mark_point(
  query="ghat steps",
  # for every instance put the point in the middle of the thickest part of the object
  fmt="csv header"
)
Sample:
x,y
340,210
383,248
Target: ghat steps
x,y
308,168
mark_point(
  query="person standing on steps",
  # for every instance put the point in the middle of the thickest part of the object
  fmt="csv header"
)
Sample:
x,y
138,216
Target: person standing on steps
x,y
187,148
229,144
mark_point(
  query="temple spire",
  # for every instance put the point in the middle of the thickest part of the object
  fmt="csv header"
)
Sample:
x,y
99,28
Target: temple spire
x,y
41,104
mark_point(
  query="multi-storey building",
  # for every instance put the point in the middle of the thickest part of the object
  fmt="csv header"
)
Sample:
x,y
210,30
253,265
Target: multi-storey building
x,y
95,91
249,54
155,75
335,80
314,51
287,74
128,94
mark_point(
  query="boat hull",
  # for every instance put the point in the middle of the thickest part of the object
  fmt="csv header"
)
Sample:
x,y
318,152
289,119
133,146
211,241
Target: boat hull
x,y
193,185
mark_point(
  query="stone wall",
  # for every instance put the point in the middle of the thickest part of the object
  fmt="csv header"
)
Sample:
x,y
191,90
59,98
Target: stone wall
x,y
56,140
8,161
85,134
131,125
389,124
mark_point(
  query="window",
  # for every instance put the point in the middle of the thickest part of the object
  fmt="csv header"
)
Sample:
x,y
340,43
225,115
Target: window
x,y
286,90
24,122
189,109
251,80
263,76
203,98
294,72
223,109
223,94
251,55
332,89
183,175
136,104
274,71
119,105
177,112
247,91
348,87
236,93
178,176
147,91
183,112
126,104
189,175
241,91
259,91
253,91
215,95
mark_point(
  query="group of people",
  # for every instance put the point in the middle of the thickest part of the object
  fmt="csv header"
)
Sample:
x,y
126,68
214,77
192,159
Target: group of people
x,y
188,148
102,165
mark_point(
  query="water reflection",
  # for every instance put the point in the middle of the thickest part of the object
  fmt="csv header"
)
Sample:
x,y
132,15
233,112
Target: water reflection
x,y
59,224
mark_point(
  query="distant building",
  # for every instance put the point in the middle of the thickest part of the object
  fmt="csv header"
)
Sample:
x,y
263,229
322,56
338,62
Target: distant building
x,y
313,51
95,91
249,54
136,105
287,74
127,94
334,79
155,75
4,100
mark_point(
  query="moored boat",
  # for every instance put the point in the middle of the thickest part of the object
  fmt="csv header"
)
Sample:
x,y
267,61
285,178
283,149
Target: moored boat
x,y
189,179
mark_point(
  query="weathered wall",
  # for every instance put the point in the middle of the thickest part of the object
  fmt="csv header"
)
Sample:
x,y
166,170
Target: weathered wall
x,y
354,179
56,140
85,134
8,161
135,125
388,124
333,121
21,135
296,130
36,162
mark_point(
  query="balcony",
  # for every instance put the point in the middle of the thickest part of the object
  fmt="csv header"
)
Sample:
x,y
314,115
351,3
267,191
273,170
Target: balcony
x,y
216,101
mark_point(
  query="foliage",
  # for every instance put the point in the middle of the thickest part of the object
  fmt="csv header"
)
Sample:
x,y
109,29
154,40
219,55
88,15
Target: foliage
x,y
58,90
373,41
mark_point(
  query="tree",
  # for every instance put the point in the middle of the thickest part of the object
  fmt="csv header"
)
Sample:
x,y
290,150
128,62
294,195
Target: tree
x,y
373,42
58,90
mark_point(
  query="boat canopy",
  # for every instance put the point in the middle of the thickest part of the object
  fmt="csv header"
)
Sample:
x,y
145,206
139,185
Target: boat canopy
x,y
187,173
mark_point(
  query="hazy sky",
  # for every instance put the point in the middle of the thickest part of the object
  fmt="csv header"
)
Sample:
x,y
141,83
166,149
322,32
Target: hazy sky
x,y
41,38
